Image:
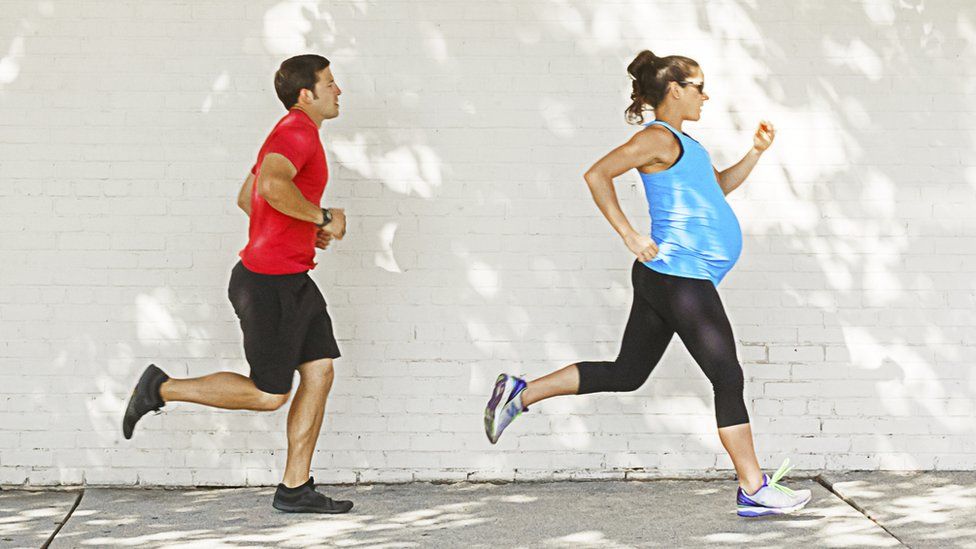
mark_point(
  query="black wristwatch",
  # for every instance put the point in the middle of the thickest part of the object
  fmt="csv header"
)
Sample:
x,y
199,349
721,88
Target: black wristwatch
x,y
326,217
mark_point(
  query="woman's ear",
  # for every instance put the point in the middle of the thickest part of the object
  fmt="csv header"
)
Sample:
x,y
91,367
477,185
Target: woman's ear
x,y
673,90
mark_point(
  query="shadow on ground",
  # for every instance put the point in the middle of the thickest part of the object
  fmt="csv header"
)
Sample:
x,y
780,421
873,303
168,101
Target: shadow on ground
x,y
578,514
28,518
921,509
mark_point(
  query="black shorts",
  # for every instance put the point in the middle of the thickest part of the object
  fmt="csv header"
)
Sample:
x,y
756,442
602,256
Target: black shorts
x,y
285,324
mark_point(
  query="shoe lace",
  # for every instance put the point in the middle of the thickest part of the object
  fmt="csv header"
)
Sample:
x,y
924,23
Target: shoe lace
x,y
779,474
326,500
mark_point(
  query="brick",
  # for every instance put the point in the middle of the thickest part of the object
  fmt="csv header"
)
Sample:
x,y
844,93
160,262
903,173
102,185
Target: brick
x,y
851,304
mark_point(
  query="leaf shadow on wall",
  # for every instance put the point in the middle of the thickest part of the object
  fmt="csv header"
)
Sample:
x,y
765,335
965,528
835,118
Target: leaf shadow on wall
x,y
881,190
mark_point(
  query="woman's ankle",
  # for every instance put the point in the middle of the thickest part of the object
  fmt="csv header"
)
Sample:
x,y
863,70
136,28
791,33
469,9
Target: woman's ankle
x,y
529,395
751,486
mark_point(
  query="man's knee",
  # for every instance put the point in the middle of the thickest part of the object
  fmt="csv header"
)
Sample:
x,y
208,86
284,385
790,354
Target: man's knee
x,y
317,372
272,401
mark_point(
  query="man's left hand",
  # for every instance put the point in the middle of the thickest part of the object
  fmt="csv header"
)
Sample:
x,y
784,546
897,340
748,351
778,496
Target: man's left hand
x,y
322,239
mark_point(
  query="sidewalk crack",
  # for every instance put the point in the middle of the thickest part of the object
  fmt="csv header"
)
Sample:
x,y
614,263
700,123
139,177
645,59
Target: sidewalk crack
x,y
830,487
64,520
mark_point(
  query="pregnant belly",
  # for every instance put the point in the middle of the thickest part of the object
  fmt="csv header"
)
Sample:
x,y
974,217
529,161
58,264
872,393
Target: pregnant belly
x,y
715,240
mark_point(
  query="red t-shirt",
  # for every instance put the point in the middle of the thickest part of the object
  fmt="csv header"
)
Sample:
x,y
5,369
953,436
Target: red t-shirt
x,y
277,243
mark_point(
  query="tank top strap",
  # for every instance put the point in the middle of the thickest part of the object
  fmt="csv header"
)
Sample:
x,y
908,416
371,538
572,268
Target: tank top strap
x,y
676,133
682,144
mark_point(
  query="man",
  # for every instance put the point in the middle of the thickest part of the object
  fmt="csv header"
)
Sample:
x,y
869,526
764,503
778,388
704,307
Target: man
x,y
283,315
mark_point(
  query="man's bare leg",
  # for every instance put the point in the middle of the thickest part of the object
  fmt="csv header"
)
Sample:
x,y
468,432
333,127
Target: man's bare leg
x,y
221,390
305,419
295,493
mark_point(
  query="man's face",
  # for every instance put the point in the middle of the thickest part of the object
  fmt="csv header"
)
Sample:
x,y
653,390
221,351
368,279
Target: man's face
x,y
327,91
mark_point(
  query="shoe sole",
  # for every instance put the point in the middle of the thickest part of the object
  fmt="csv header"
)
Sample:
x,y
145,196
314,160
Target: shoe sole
x,y
304,509
127,428
491,409
752,512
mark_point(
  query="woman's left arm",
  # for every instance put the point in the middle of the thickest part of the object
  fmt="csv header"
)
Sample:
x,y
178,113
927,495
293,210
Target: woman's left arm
x,y
730,179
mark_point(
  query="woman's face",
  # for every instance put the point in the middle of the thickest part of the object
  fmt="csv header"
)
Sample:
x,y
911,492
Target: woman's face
x,y
693,94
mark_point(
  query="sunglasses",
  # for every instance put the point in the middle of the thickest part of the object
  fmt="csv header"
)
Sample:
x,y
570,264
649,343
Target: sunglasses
x,y
700,86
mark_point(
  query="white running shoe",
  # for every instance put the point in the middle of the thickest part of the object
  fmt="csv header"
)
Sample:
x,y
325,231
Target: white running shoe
x,y
504,405
772,498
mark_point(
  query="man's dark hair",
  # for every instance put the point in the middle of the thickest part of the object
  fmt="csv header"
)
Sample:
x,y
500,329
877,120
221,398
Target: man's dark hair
x,y
296,74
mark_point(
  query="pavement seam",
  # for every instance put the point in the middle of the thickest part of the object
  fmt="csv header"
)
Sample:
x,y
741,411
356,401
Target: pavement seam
x,y
830,487
64,521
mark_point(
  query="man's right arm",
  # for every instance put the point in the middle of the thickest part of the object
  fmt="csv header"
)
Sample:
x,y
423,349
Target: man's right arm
x,y
276,185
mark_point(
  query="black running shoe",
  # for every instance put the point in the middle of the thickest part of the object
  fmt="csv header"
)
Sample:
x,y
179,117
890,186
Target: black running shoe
x,y
304,499
145,398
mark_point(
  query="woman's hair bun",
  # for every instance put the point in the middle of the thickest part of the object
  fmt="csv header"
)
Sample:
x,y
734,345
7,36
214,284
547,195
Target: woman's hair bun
x,y
644,60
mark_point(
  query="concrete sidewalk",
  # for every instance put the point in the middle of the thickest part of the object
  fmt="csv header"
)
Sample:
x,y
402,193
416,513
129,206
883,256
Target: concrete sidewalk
x,y
921,510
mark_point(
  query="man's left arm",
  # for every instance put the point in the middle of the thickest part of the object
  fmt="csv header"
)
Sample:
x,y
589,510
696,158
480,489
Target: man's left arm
x,y
244,196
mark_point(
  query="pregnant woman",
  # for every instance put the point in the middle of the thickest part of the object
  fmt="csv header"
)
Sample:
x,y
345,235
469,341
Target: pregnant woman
x,y
695,240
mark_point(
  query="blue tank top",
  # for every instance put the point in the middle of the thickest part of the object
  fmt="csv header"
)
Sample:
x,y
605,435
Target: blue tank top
x,y
697,233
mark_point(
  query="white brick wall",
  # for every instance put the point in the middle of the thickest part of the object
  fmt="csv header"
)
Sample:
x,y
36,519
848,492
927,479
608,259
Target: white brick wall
x,y
126,128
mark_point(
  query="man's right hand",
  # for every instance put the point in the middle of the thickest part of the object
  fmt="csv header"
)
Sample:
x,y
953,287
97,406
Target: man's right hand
x,y
642,246
336,227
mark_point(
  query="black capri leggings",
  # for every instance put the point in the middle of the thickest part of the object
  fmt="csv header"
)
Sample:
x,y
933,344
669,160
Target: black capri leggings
x,y
665,304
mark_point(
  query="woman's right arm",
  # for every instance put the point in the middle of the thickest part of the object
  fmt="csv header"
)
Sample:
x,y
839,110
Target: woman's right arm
x,y
650,146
